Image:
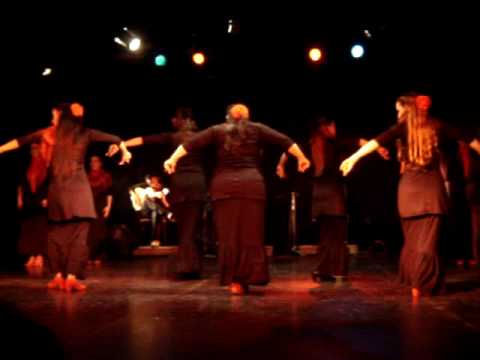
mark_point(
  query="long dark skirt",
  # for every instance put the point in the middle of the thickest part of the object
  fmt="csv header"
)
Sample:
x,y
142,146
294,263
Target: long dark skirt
x,y
239,227
475,214
420,264
333,256
67,247
97,236
33,235
188,215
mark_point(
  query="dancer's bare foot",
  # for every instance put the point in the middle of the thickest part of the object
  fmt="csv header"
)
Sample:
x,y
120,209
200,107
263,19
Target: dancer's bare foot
x,y
38,261
238,289
72,284
30,262
416,293
57,282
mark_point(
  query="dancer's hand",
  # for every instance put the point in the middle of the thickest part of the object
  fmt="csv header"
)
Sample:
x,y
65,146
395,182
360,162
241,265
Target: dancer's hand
x,y
112,150
44,203
281,173
126,157
384,153
347,165
303,164
170,166
106,212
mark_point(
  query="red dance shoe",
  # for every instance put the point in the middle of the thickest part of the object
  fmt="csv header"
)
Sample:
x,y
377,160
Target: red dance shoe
x,y
238,289
72,284
56,283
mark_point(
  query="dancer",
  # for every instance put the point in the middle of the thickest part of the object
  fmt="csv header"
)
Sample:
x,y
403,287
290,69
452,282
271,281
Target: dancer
x,y
32,197
188,192
238,193
32,203
328,196
70,200
422,199
471,167
101,184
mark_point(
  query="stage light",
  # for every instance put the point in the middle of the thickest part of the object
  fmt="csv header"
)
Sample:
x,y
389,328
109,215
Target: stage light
x,y
233,26
47,71
315,54
357,51
129,40
160,60
135,44
120,42
198,58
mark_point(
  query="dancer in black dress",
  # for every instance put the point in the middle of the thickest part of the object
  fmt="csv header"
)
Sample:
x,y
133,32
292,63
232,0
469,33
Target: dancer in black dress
x,y
188,192
471,167
70,200
422,198
328,196
32,193
101,183
238,193
32,203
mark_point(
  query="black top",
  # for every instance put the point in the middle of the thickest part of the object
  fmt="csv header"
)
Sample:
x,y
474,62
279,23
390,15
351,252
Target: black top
x,y
193,162
474,171
474,174
71,197
237,173
188,183
444,132
421,189
32,201
327,183
334,152
78,155
101,192
473,177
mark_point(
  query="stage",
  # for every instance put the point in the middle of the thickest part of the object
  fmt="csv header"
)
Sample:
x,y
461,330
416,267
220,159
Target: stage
x,y
133,311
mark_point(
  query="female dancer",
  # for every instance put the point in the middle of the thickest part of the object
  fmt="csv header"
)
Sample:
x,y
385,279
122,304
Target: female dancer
x,y
70,200
328,196
238,193
188,192
422,198
101,183
32,194
32,202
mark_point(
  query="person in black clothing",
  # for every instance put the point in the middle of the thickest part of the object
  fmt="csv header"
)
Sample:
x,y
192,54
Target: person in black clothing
x,y
238,193
32,202
101,184
328,196
471,167
188,188
422,198
70,200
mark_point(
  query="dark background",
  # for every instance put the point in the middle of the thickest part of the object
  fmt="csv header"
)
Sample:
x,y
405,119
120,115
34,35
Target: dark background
x,y
264,64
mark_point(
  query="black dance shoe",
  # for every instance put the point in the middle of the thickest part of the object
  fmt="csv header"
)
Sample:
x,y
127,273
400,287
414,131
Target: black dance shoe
x,y
319,277
188,276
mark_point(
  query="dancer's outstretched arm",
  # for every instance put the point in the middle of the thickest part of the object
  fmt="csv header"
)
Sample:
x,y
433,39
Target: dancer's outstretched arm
x,y
9,146
348,164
